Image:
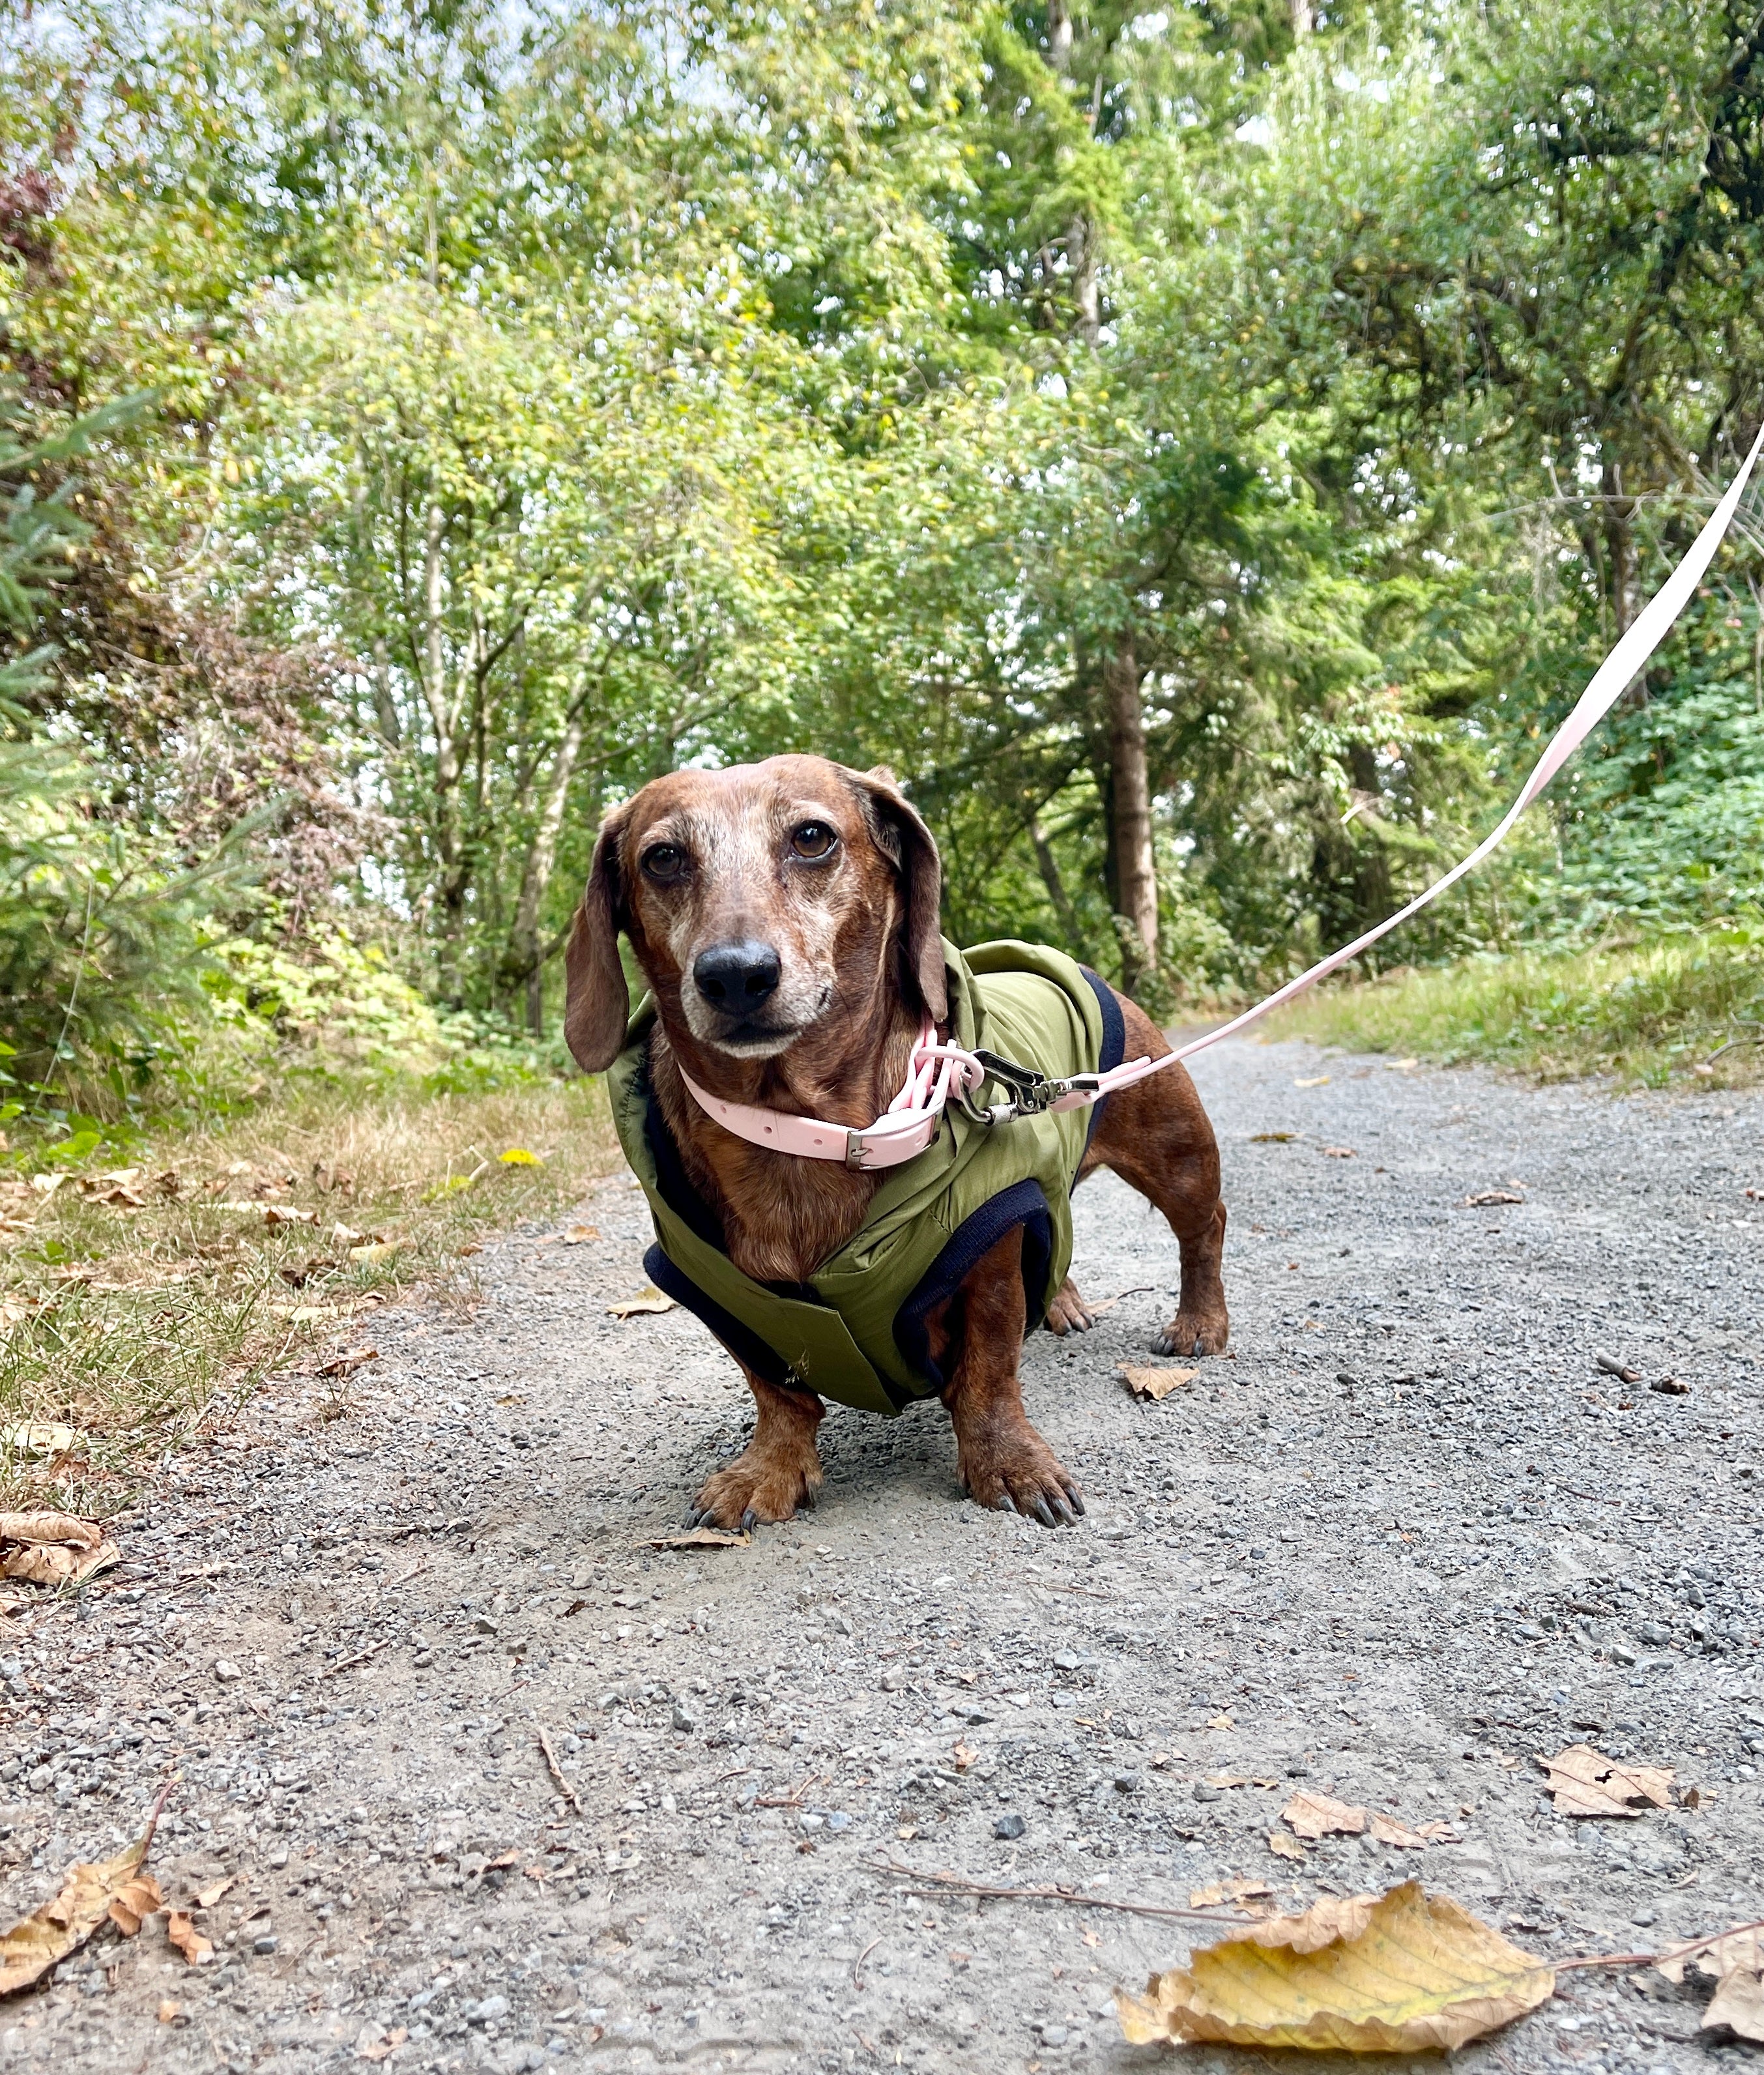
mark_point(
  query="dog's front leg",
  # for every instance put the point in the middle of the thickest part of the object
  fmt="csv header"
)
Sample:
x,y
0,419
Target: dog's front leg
x,y
779,1470
1004,1462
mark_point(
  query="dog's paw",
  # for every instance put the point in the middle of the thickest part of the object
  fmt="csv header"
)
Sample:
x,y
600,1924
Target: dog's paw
x,y
756,1487
1021,1474
1193,1333
1069,1313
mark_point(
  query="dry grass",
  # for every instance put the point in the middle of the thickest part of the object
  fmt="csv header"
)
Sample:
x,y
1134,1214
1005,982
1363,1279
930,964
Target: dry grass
x,y
138,1324
1687,1012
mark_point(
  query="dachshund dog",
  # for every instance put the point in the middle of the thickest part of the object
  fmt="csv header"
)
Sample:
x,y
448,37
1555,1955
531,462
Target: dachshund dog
x,y
786,915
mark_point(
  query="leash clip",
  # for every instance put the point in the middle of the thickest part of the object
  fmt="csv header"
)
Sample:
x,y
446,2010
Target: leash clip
x,y
1031,1092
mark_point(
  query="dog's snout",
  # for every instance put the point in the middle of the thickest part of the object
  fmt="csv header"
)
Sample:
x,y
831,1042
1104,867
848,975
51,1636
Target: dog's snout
x,y
736,978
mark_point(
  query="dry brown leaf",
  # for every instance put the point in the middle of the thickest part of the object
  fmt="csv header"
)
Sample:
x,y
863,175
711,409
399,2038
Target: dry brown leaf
x,y
1338,1153
136,1900
1227,1779
169,2011
1155,1383
1241,1891
388,2043
648,1299
580,1235
1388,1831
46,1185
1585,1782
1224,1721
345,1364
1738,2005
180,1929
207,1897
52,1548
1402,1973
31,1948
963,1756
1317,1815
1715,1957
1486,1199
700,1537
1315,1081
1735,1963
275,1215
1284,1847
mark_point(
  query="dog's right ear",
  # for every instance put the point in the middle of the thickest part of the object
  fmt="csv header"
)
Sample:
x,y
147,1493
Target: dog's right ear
x,y
597,1003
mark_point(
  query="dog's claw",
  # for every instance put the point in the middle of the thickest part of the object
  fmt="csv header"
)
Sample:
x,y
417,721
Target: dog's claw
x,y
1076,1499
749,1521
1044,1512
1006,1503
1067,1518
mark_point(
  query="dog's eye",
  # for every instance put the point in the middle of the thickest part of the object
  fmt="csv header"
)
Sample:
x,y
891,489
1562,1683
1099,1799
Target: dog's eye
x,y
813,839
665,861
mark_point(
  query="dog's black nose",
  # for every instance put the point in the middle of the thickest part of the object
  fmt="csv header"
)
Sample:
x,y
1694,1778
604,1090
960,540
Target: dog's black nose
x,y
736,977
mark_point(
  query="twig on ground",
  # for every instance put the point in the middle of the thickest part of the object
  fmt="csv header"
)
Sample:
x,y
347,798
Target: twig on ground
x,y
361,1657
1684,1952
793,1799
416,1571
959,1884
556,1771
857,1972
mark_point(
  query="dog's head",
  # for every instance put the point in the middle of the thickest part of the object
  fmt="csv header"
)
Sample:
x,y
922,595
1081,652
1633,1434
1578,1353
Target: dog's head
x,y
760,901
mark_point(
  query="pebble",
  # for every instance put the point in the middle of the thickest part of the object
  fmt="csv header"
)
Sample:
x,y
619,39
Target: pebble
x,y
1009,1826
225,1671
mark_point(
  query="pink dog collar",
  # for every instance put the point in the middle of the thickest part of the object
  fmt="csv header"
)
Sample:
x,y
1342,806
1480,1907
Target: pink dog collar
x,y
934,1074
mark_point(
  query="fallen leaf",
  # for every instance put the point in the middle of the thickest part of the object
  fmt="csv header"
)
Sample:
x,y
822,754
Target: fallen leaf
x,y
1388,1831
1316,1081
46,1185
1317,1815
1738,2005
138,1899
1232,1890
52,1548
1585,1782
700,1537
31,1948
1338,1152
345,1364
207,1897
1487,1198
1402,1066
274,1217
1155,1383
1671,1386
1715,1957
40,1438
1224,1721
648,1299
388,2043
168,2011
1284,1847
963,1755
1273,1138
1227,1779
376,1250
180,1929
580,1235
518,1156
1402,1973
347,1236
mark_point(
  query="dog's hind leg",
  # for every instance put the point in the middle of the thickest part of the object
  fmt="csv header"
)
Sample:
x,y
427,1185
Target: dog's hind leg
x,y
1003,1463
778,1471
1156,1136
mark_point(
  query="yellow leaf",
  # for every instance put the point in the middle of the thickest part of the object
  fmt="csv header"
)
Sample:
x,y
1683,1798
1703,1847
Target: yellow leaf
x,y
89,1896
1402,1973
579,1235
1241,1892
180,1929
377,1250
1155,1383
518,1156
648,1299
1284,1847
1315,1081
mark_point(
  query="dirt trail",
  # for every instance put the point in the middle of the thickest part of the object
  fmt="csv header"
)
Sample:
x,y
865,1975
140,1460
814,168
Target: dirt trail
x,y
1408,1538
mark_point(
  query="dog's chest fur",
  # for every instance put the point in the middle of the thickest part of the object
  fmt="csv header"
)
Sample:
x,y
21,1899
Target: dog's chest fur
x,y
782,1217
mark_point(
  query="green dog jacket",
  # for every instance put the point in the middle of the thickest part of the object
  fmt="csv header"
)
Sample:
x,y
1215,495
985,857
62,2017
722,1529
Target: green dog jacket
x,y
855,1331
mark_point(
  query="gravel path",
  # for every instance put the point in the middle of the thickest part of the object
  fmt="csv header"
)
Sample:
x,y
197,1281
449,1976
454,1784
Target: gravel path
x,y
1406,1538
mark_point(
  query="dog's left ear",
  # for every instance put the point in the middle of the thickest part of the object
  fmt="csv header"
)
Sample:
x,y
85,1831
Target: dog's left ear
x,y
597,1003
903,840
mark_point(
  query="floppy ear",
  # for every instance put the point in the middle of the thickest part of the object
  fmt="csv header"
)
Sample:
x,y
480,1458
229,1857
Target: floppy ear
x,y
905,840
597,1003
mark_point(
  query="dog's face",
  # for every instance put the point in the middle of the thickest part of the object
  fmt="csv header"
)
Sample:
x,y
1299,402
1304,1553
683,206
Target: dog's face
x,y
761,901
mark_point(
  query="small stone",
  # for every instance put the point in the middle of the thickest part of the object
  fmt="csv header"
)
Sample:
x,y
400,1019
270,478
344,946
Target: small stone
x,y
1204,1792
1126,1783
1655,1633
1621,1654
1644,1917
488,2011
484,1625
1053,2034
266,1944
683,1720
1066,1660
226,1671
1009,1826
809,1821
279,1857
893,1679
422,1659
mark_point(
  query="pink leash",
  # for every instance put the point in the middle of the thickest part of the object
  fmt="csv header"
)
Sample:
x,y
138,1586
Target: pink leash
x,y
937,1072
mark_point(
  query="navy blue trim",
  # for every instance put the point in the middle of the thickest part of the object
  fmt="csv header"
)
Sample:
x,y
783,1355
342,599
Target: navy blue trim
x,y
677,1190
741,1340
1021,1204
1114,1041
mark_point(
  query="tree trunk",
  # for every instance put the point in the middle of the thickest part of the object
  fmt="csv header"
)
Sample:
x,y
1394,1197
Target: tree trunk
x,y
1048,865
1059,36
1130,814
1303,17
524,961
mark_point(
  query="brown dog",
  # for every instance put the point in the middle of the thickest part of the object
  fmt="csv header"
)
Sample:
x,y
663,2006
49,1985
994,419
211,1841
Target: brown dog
x,y
785,916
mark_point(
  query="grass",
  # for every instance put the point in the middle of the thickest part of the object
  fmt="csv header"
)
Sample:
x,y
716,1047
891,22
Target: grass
x,y
249,1245
1652,1015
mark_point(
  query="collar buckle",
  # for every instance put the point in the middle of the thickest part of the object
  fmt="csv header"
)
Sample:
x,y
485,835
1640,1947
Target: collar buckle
x,y
854,1152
